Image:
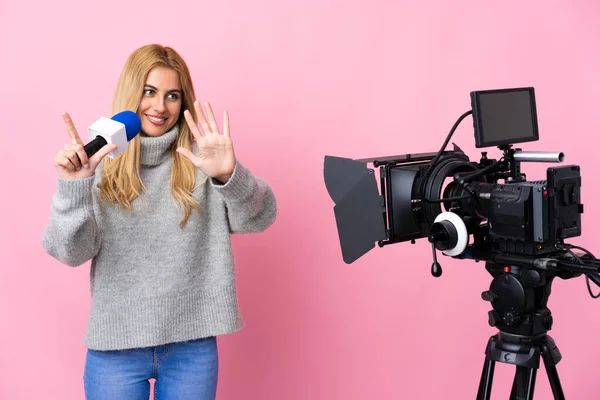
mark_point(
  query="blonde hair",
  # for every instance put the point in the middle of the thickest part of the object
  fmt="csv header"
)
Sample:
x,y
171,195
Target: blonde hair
x,y
121,182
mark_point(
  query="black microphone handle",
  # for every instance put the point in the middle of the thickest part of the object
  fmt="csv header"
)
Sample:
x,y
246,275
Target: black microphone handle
x,y
92,147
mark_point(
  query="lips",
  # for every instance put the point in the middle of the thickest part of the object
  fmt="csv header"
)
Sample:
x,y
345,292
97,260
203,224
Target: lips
x,y
156,120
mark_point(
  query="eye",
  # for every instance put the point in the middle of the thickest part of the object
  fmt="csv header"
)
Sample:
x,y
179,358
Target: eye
x,y
148,92
173,96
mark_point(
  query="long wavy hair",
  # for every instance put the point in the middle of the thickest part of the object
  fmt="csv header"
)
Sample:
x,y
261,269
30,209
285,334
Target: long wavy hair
x,y
121,182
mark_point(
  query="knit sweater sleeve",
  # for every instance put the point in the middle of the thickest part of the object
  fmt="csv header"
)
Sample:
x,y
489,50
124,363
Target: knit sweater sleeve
x,y
251,204
71,235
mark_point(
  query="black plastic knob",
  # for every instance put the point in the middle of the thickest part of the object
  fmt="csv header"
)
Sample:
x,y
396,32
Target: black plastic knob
x,y
493,318
489,295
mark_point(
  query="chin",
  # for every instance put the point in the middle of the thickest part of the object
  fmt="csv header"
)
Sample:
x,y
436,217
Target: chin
x,y
154,130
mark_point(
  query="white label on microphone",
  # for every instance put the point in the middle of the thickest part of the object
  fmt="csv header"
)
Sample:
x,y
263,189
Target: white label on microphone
x,y
112,131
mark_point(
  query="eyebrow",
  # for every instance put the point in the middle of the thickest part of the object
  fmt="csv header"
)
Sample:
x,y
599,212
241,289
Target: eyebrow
x,y
170,91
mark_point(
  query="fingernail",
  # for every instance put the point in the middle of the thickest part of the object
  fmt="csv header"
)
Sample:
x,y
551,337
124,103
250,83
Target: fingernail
x,y
86,166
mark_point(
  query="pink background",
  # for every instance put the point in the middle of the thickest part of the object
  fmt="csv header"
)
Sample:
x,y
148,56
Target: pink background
x,y
302,80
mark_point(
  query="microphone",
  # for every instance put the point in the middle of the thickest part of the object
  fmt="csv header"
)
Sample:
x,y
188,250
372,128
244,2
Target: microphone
x,y
119,129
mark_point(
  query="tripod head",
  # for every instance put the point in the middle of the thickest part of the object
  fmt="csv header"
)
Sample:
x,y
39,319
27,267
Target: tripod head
x,y
519,298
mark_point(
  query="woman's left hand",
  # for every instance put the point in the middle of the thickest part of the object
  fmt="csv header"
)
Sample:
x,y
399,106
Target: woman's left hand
x,y
215,157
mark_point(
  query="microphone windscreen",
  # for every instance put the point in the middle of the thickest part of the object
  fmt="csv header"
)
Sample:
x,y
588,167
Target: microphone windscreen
x,y
132,122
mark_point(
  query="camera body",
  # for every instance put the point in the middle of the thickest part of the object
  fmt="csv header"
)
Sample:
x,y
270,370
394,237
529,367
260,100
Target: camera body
x,y
518,216
531,218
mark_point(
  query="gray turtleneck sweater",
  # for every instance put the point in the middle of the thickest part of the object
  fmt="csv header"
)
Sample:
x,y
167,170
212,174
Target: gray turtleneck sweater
x,y
152,281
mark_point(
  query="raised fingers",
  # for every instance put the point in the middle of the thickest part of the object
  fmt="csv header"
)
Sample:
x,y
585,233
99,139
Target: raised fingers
x,y
71,128
211,118
201,117
192,124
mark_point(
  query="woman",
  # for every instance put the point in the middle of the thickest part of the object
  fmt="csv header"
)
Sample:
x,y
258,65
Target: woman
x,y
155,221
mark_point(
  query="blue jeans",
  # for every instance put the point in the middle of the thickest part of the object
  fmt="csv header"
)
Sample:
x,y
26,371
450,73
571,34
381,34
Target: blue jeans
x,y
186,370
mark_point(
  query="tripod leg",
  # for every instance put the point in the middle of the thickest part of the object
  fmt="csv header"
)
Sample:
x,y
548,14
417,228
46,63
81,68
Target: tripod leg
x,y
523,384
551,356
485,384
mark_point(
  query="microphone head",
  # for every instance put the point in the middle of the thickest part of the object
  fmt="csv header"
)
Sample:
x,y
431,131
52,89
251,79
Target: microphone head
x,y
132,122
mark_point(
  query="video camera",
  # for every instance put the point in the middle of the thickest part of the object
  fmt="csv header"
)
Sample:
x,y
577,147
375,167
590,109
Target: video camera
x,y
490,213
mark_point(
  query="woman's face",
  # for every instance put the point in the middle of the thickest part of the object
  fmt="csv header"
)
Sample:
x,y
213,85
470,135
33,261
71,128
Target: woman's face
x,y
161,102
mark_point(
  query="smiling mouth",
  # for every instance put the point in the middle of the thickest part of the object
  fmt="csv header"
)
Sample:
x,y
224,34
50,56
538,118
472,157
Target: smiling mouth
x,y
156,120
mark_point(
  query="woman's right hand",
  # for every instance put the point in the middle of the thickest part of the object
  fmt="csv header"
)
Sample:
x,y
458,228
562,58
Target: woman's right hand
x,y
72,162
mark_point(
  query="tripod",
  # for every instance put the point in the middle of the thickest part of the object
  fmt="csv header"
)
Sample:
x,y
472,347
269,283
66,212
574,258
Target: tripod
x,y
524,352
519,297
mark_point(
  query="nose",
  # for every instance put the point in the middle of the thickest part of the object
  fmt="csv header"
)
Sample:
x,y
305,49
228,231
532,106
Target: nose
x,y
159,104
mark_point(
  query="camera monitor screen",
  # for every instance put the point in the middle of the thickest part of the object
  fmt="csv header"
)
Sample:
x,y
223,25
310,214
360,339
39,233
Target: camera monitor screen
x,y
504,116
